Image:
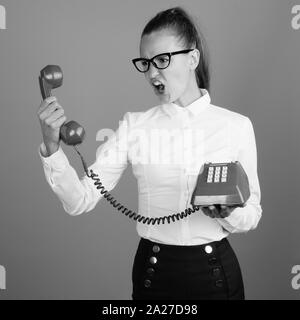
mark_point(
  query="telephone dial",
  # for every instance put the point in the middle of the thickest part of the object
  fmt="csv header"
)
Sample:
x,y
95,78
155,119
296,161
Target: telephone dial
x,y
218,183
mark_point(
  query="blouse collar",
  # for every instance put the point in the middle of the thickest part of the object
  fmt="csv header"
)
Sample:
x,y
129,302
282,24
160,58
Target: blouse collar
x,y
195,107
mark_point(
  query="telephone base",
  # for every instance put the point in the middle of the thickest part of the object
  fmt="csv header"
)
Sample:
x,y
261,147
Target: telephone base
x,y
221,183
219,199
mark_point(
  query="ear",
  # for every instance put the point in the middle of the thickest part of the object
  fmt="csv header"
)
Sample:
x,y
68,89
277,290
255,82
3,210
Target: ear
x,y
194,59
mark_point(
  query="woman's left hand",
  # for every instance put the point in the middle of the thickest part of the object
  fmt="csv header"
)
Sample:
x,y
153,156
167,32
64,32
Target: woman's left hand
x,y
217,211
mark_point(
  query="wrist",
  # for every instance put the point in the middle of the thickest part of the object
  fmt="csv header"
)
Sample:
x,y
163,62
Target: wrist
x,y
51,148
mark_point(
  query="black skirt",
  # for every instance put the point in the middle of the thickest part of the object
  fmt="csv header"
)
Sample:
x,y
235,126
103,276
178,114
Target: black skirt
x,y
202,272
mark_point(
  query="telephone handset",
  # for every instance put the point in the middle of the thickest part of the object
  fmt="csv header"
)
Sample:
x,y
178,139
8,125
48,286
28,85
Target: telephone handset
x,y
51,77
71,133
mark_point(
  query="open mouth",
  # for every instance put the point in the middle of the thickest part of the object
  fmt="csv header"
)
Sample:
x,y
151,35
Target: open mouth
x,y
158,86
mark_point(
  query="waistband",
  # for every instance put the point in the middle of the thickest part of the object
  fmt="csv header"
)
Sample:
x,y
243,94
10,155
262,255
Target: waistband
x,y
183,248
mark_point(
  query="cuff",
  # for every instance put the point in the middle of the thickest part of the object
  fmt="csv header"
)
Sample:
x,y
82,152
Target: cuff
x,y
242,219
58,160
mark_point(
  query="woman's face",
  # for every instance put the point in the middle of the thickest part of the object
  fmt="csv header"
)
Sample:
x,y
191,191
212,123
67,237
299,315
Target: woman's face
x,y
176,78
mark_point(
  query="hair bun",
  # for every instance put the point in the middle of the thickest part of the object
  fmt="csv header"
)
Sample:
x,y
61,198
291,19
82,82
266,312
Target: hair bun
x,y
176,10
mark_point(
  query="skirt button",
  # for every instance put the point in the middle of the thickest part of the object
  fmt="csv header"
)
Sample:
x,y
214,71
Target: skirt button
x,y
212,261
219,283
153,260
156,248
150,271
147,283
216,272
208,249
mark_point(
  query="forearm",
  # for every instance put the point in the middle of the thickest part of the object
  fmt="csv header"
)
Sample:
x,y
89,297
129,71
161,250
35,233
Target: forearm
x,y
242,219
77,196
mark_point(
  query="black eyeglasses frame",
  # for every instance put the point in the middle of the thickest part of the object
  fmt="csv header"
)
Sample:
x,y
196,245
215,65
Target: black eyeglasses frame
x,y
169,54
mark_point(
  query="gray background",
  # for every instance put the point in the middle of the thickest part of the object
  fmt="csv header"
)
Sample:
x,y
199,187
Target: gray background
x,y
255,71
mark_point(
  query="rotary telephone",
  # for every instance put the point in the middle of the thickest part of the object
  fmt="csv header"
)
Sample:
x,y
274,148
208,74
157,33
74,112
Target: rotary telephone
x,y
218,183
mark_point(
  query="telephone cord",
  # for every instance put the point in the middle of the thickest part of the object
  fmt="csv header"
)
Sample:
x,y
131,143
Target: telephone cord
x,y
131,214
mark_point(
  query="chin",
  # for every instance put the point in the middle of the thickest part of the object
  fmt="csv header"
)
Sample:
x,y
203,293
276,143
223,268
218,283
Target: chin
x,y
165,98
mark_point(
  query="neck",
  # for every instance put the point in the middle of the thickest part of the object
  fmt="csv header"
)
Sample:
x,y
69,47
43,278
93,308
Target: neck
x,y
190,95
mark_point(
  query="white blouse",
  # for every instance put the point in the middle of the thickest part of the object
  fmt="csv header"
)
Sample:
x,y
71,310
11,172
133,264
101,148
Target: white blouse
x,y
166,145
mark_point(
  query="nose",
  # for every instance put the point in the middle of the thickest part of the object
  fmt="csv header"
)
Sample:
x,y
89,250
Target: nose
x,y
152,72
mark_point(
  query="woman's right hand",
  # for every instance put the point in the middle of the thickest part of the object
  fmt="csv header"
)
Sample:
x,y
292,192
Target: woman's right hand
x,y
51,117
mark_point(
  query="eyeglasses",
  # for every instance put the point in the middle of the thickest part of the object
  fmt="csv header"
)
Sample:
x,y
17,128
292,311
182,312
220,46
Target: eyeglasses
x,y
160,61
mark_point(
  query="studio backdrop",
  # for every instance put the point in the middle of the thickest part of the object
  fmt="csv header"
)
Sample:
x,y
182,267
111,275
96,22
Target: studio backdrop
x,y
254,51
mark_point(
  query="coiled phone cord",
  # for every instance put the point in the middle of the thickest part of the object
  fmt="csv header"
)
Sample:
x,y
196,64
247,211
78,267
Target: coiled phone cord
x,y
131,214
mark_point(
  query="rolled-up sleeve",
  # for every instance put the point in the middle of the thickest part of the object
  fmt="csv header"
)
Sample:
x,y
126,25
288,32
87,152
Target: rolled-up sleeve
x,y
243,219
81,195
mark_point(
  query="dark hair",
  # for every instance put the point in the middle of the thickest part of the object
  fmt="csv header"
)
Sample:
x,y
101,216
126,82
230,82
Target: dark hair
x,y
178,20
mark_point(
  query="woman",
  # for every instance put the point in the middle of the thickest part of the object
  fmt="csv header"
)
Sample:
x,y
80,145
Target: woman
x,y
190,258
